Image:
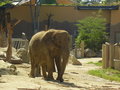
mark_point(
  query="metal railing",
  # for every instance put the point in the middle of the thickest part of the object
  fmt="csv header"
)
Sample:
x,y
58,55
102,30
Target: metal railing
x,y
19,43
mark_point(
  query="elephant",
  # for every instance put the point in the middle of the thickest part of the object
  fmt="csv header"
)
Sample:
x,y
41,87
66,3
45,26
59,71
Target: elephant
x,y
47,48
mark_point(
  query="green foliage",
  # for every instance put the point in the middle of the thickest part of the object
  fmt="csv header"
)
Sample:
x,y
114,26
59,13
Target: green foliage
x,y
109,74
95,63
111,1
3,2
48,1
91,30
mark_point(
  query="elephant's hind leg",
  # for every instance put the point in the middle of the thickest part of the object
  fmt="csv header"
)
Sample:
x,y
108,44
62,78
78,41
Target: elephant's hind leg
x,y
58,64
44,71
38,71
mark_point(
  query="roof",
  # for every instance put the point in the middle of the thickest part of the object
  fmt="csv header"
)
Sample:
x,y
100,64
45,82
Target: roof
x,y
65,2
97,7
11,5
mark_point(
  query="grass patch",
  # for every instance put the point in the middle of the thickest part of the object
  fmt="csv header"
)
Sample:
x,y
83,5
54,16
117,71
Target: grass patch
x,y
109,74
95,63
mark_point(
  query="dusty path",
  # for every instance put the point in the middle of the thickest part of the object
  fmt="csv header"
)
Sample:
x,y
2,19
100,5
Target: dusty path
x,y
76,78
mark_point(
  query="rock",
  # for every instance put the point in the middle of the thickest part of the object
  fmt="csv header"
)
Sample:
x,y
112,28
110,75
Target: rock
x,y
73,60
14,59
2,55
76,52
7,68
99,53
89,53
23,54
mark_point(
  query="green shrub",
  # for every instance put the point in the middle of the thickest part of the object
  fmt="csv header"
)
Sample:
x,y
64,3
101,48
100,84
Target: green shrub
x,y
92,30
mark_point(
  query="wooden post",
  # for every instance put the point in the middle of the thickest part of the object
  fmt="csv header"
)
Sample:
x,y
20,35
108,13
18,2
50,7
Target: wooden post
x,y
116,52
10,32
111,56
119,52
117,57
105,55
82,49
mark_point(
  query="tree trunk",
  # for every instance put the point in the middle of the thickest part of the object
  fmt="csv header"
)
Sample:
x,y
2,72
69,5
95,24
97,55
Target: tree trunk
x,y
2,37
10,32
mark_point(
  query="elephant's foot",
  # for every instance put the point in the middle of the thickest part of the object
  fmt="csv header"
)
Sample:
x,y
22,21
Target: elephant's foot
x,y
31,75
60,79
50,78
38,75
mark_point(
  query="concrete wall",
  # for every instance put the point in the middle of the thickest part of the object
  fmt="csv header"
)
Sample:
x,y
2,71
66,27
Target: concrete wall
x,y
115,25
64,17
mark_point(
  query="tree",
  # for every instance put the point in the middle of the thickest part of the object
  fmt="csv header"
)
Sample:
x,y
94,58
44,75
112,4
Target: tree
x,y
91,30
48,1
111,1
78,1
2,2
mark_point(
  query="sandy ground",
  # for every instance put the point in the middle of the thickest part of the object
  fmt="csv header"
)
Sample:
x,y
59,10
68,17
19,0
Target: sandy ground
x,y
76,78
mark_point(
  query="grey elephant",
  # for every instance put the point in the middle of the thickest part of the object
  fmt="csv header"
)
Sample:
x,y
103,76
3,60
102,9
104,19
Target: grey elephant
x,y
47,47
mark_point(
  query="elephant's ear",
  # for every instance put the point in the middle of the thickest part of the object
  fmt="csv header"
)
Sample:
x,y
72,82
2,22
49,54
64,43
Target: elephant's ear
x,y
47,38
61,39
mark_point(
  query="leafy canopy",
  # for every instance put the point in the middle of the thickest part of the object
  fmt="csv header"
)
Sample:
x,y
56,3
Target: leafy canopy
x,y
91,30
48,1
3,2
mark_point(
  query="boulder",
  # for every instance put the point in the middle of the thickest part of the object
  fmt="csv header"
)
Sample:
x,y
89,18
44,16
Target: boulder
x,y
99,53
2,55
89,53
76,52
23,54
7,68
14,59
73,60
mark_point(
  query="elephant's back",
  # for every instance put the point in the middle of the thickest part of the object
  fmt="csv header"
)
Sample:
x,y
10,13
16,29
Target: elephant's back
x,y
36,48
36,44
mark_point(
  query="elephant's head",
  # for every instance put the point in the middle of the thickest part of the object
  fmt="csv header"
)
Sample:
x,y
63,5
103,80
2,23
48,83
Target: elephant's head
x,y
61,39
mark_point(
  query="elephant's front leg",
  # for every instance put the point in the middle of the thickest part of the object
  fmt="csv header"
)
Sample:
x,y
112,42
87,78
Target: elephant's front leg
x,y
63,65
50,67
58,64
32,72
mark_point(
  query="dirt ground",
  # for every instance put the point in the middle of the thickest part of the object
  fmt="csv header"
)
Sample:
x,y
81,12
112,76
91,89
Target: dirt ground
x,y
76,78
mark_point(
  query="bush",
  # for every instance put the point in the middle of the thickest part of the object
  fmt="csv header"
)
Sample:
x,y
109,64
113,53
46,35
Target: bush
x,y
92,30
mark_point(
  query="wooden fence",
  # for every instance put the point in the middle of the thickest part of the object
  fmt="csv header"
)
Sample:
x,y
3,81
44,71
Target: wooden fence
x,y
111,56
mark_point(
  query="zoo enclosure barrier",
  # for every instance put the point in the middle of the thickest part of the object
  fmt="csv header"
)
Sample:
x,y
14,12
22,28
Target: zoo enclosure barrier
x,y
18,43
111,56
